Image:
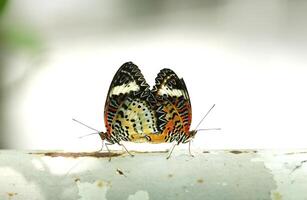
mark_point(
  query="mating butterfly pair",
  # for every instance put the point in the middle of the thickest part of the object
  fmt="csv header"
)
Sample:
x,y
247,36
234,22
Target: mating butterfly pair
x,y
134,112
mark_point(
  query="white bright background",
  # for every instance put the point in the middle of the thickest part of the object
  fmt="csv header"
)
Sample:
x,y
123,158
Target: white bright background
x,y
247,57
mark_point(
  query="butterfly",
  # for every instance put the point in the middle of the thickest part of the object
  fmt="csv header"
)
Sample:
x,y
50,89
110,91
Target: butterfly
x,y
136,113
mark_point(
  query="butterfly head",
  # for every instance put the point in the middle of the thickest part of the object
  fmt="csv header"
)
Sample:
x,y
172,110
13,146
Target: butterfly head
x,y
190,136
103,135
192,133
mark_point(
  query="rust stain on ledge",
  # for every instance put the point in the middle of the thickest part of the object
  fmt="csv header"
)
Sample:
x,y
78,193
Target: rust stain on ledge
x,y
200,180
299,166
80,154
91,154
277,196
235,151
144,152
77,179
11,194
294,153
242,151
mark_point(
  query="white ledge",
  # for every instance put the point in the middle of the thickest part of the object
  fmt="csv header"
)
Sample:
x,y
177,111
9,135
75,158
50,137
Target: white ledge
x,y
228,174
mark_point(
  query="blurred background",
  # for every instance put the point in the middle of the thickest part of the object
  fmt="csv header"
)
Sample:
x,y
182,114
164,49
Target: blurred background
x,y
57,59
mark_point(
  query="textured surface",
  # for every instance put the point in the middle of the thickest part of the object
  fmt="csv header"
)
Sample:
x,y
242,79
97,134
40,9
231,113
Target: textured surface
x,y
236,174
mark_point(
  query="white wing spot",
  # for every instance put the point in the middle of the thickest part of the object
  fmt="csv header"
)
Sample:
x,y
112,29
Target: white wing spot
x,y
125,88
171,92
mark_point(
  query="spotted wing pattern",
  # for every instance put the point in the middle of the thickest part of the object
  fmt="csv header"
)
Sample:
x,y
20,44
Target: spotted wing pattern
x,y
129,113
174,114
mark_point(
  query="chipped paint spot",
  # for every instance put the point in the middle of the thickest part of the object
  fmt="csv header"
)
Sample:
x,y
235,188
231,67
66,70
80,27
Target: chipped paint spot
x,y
139,195
235,152
294,153
14,183
276,196
299,166
38,164
120,172
206,151
100,183
91,191
77,179
242,151
11,194
170,175
200,180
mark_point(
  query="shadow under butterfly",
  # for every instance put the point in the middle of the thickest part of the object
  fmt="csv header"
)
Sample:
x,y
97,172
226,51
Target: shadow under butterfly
x,y
133,112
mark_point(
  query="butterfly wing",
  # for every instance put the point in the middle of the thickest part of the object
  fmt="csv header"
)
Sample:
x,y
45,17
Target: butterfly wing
x,y
175,113
128,110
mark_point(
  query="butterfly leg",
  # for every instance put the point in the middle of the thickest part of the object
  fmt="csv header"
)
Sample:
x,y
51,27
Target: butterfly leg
x,y
107,144
190,149
171,151
126,149
102,144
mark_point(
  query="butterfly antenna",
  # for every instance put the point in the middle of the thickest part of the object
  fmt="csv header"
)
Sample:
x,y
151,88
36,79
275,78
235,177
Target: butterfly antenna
x,y
87,135
204,117
85,125
209,129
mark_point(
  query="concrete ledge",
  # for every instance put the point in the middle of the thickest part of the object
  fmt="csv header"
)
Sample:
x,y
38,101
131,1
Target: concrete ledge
x,y
225,174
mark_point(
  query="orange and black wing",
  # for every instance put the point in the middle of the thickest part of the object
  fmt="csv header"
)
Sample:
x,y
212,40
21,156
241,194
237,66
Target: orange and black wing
x,y
128,110
174,114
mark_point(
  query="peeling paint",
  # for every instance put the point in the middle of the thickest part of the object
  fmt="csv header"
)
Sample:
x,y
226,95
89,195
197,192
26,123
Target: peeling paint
x,y
93,191
13,182
289,173
139,195
276,196
11,194
101,183
299,165
38,165
218,174
200,180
